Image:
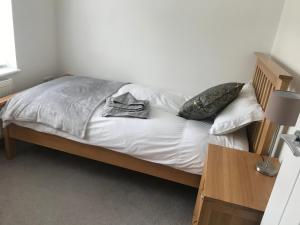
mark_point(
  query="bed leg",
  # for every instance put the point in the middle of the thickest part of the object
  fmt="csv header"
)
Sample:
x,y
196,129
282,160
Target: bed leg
x,y
9,144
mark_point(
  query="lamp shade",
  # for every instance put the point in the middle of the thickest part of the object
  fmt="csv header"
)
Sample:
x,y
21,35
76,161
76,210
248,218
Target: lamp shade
x,y
283,108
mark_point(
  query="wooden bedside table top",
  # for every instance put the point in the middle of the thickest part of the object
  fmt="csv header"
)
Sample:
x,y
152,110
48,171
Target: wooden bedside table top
x,y
230,176
4,99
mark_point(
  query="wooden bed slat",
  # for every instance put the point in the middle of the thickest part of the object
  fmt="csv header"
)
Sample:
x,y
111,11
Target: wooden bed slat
x,y
255,77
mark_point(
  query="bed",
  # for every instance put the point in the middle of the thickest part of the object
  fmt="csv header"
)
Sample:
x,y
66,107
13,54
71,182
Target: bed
x,y
171,157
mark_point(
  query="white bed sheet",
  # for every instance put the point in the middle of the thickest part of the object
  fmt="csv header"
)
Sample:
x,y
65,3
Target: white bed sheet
x,y
164,138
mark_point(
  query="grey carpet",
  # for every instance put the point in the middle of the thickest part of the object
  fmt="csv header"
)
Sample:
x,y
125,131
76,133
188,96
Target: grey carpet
x,y
42,187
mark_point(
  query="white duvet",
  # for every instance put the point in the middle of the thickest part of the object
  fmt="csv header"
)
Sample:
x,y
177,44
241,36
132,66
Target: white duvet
x,y
164,138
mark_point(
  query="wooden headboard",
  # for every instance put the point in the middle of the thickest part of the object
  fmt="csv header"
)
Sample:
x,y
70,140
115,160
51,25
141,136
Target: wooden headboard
x,y
268,76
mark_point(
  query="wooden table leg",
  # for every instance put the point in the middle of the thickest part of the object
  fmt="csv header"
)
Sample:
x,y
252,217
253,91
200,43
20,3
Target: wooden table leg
x,y
9,144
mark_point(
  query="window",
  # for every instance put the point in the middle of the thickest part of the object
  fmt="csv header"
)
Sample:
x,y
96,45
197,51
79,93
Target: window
x,y
8,62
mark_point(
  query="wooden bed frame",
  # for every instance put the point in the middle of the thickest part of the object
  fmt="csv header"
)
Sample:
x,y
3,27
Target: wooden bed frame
x,y
268,76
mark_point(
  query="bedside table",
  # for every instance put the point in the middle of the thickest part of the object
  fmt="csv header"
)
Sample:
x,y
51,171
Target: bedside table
x,y
4,99
231,190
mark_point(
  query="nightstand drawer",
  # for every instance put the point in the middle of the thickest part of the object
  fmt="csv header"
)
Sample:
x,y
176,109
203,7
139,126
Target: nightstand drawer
x,y
214,212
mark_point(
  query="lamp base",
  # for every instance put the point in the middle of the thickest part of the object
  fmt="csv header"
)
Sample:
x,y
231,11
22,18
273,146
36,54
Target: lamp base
x,y
266,168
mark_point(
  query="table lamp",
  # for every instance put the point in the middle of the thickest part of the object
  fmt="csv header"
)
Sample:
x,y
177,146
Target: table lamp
x,y
283,109
293,141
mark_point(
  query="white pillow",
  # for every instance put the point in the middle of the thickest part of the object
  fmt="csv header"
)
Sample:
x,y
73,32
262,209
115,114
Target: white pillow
x,y
166,100
242,111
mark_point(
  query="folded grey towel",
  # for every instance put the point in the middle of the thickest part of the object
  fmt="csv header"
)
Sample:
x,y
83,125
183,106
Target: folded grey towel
x,y
115,112
126,102
126,105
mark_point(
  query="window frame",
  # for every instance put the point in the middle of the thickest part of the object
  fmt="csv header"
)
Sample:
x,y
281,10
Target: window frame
x,y
8,63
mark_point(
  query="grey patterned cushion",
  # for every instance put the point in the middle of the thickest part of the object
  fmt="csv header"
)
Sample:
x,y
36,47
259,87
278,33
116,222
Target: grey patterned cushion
x,y
207,104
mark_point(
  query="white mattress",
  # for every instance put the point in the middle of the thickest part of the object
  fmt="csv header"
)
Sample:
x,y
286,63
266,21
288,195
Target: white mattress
x,y
164,138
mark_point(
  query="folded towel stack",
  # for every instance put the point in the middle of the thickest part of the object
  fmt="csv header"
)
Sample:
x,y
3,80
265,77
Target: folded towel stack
x,y
126,105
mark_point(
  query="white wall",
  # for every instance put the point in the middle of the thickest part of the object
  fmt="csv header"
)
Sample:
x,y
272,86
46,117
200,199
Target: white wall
x,y
286,48
285,195
35,37
182,45
283,207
